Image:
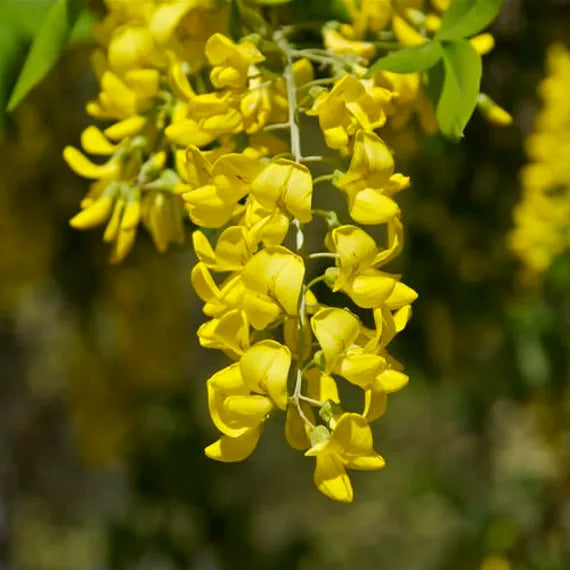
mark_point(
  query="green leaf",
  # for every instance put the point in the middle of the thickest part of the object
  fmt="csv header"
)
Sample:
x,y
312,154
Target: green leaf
x,y
461,83
48,43
24,16
235,21
411,59
466,18
272,2
11,49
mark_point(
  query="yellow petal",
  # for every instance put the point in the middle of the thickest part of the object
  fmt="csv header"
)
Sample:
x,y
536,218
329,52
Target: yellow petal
x,y
405,33
265,367
336,330
260,309
94,141
371,165
331,478
356,250
126,128
131,215
233,174
249,408
204,284
392,380
321,386
375,401
80,164
360,368
401,295
371,289
483,43
277,273
122,245
229,449
187,132
354,436
206,207
130,47
112,229
223,384
203,249
145,83
94,215
369,206
166,18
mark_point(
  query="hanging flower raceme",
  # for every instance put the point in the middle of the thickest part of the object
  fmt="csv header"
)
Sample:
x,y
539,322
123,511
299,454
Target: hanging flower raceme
x,y
542,217
207,130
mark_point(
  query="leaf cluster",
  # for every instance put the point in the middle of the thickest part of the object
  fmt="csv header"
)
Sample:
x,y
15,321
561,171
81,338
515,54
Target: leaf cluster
x,y
452,65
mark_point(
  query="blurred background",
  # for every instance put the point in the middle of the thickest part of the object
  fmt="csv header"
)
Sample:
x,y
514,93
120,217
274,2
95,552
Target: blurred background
x,y
103,414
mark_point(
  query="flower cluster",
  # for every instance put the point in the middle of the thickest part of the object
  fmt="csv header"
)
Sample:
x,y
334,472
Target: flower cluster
x,y
210,125
542,226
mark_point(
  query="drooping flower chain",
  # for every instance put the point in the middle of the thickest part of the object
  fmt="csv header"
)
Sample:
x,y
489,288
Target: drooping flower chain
x,y
195,120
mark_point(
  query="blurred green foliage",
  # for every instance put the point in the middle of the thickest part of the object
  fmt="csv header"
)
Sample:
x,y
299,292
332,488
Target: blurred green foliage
x,y
104,418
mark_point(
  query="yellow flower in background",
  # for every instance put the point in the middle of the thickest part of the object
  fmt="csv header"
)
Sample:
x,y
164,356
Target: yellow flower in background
x,y
542,217
337,43
230,61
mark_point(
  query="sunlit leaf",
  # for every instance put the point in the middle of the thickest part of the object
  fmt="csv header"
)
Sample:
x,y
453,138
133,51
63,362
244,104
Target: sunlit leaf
x,y
411,59
10,51
48,43
461,82
466,18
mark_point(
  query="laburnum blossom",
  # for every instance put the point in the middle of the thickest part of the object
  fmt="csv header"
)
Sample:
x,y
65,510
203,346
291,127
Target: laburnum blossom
x,y
206,119
370,182
357,271
348,107
541,218
349,446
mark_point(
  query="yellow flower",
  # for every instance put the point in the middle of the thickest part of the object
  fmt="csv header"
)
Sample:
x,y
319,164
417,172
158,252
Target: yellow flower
x,y
230,61
131,47
337,43
212,192
273,279
356,273
229,332
349,446
268,225
121,98
349,106
370,181
242,395
219,299
265,367
161,215
234,248
234,410
336,331
285,184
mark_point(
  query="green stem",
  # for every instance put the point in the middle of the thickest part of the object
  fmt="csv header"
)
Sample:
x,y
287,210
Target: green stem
x,y
323,178
295,137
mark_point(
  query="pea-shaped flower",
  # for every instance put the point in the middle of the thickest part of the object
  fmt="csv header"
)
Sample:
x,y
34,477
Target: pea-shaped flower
x,y
349,446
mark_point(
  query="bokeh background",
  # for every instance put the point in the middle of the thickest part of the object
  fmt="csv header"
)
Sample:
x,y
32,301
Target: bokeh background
x,y
103,414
